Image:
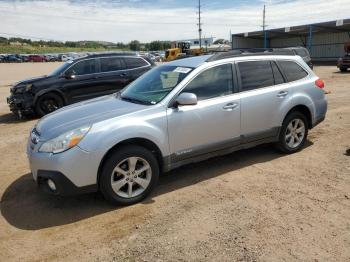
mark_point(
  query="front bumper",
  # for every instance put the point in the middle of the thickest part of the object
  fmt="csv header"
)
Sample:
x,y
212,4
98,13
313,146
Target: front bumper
x,y
63,186
20,103
343,64
73,171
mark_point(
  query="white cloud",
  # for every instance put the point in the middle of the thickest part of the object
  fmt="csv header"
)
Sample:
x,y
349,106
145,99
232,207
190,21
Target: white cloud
x,y
62,20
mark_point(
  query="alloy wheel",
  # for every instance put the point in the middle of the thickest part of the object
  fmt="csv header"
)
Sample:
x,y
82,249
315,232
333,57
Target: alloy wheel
x,y
131,177
295,133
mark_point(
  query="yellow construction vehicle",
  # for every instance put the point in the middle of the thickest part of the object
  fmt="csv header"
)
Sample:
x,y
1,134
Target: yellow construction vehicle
x,y
181,49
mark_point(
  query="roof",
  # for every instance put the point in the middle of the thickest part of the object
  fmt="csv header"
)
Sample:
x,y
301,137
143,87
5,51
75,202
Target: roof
x,y
111,54
251,52
190,62
301,30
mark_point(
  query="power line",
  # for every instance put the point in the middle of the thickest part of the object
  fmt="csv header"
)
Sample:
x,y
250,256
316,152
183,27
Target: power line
x,y
107,21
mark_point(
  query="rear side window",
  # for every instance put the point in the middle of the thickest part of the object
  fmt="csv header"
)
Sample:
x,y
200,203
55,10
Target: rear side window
x,y
292,70
83,67
255,74
111,64
277,74
135,62
211,83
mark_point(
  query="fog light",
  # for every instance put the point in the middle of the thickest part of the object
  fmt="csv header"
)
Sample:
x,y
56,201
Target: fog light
x,y
51,185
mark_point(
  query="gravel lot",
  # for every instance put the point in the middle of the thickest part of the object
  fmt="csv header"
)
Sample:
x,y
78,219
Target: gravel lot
x,y
252,205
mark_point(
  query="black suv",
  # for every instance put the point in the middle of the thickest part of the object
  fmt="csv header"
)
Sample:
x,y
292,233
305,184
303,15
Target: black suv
x,y
80,79
303,53
297,50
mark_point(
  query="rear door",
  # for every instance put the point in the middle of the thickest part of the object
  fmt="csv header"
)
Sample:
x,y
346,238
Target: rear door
x,y
263,93
113,75
136,66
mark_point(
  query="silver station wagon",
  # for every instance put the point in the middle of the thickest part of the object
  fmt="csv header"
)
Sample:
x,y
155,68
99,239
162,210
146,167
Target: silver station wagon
x,y
177,113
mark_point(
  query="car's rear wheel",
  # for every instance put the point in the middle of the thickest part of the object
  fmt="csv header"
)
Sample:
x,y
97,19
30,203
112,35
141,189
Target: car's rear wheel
x,y
129,175
293,133
48,103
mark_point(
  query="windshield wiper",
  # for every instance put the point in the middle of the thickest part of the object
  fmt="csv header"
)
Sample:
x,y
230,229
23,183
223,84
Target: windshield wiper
x,y
135,100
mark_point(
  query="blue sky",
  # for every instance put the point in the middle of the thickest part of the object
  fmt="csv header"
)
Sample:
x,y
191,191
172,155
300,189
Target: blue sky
x,y
146,20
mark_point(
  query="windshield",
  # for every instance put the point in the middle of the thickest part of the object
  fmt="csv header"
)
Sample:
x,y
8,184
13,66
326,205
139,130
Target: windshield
x,y
156,84
59,70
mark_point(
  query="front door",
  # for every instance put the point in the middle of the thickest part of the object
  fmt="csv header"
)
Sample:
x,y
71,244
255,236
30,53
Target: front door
x,y
214,123
85,84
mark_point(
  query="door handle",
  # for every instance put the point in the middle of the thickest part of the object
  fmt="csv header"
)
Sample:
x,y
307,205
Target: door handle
x,y
230,106
122,74
282,94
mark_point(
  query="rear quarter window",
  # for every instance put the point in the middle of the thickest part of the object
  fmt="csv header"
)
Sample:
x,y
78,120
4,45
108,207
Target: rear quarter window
x,y
292,70
134,62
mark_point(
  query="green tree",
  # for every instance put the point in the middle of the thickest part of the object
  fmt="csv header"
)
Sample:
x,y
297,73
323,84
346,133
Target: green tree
x,y
135,45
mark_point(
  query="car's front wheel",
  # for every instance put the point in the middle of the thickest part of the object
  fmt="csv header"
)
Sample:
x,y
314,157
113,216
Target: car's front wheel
x,y
129,175
293,133
48,103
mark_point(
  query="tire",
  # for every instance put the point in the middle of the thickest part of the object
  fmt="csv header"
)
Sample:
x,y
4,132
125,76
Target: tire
x,y
48,103
118,169
293,133
343,69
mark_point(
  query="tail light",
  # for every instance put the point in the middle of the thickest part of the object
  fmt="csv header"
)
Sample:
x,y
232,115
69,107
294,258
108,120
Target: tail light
x,y
319,83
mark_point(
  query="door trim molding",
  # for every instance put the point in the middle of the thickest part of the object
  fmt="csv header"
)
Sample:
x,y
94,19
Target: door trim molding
x,y
200,153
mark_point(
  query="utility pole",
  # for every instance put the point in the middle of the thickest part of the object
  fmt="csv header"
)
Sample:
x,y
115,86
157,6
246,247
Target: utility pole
x,y
264,19
264,27
199,24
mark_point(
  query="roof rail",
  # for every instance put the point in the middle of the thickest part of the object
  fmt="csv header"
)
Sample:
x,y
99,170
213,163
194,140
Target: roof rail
x,y
249,52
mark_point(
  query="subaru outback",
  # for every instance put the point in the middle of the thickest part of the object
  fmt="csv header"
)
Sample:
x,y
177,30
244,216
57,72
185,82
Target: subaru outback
x,y
178,113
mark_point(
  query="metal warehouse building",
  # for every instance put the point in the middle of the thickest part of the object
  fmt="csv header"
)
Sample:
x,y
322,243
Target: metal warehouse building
x,y
325,41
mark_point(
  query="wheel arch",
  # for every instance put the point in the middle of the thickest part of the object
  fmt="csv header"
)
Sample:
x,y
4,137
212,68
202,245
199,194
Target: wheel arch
x,y
143,142
304,110
47,91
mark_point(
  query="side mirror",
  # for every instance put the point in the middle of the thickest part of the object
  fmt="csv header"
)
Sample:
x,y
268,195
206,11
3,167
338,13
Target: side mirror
x,y
69,75
186,99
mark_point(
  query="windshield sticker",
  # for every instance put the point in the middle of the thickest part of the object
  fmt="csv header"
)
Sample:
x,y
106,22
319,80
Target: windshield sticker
x,y
183,70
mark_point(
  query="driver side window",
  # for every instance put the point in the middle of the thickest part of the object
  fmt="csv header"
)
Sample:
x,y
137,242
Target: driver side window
x,y
213,82
83,67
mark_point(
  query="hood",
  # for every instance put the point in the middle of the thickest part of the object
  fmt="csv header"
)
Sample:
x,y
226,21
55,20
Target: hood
x,y
32,80
84,113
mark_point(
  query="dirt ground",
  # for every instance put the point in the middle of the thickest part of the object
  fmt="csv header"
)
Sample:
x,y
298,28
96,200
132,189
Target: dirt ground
x,y
252,205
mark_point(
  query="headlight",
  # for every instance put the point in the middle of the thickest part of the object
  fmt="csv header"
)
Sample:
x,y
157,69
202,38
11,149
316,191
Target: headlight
x,y
24,88
64,141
